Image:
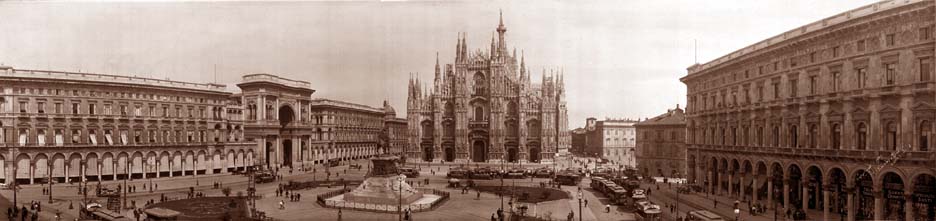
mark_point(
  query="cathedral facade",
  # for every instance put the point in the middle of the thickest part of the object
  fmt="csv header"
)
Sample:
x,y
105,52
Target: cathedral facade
x,y
484,108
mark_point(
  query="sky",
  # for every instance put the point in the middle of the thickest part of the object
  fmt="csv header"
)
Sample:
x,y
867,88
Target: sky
x,y
621,59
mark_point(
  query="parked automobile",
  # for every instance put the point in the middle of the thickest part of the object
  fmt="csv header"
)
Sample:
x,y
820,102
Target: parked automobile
x,y
515,173
638,194
264,178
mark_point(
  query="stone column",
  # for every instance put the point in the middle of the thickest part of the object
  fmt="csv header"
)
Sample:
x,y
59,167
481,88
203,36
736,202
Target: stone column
x,y
66,173
755,186
825,204
82,167
878,203
742,187
908,206
805,194
158,173
770,200
99,166
171,159
32,171
730,185
850,204
786,193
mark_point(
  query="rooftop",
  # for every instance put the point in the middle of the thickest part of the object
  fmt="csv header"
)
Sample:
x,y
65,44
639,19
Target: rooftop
x,y
671,117
264,77
7,71
336,103
805,30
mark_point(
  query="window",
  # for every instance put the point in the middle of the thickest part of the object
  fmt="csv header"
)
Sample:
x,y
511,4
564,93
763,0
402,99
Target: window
x,y
41,137
926,69
836,81
862,133
91,109
137,136
165,111
59,138
812,85
108,137
479,113
890,73
812,57
22,106
76,136
793,136
835,51
92,137
760,93
123,137
123,110
890,139
23,137
860,45
862,76
107,109
925,130
889,40
58,108
926,33
137,111
75,108
793,88
776,90
813,132
40,107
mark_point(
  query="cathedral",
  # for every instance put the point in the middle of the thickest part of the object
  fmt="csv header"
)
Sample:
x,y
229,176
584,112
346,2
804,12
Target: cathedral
x,y
484,108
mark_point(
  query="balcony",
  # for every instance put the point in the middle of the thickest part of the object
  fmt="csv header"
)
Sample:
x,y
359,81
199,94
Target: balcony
x,y
473,124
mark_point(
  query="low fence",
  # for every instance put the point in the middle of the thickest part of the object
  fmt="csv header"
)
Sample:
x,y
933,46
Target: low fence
x,y
292,185
323,201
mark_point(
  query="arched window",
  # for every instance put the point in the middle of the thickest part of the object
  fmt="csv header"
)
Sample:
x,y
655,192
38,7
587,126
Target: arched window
x,y
479,113
533,127
479,83
449,109
448,129
427,129
793,136
776,136
891,136
760,136
925,131
512,129
813,132
862,134
512,108
836,136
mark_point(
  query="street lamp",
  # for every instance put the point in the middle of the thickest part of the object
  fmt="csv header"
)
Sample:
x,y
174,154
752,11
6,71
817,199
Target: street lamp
x,y
580,204
50,181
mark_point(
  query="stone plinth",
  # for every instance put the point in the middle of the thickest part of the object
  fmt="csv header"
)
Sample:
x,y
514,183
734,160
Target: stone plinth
x,y
385,190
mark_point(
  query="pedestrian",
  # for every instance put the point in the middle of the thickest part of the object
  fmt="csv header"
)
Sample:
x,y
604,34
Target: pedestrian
x,y
715,202
607,208
493,216
571,216
298,197
339,214
282,205
586,202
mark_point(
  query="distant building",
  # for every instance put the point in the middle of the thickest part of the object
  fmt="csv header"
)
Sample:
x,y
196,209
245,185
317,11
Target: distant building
x,y
661,146
578,141
610,139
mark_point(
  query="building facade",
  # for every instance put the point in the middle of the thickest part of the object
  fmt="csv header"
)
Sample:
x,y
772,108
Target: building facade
x,y
395,132
579,140
661,146
611,139
835,116
67,126
484,108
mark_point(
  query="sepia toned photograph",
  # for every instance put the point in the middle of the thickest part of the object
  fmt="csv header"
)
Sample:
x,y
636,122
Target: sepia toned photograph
x,y
669,110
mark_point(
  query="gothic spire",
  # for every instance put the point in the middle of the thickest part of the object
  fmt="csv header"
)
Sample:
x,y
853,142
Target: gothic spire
x,y
523,74
464,46
438,71
493,46
502,45
457,49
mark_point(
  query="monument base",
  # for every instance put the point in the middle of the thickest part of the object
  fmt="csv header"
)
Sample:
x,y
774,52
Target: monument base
x,y
386,190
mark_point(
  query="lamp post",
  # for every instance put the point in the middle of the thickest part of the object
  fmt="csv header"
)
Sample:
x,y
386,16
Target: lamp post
x,y
400,199
50,181
580,204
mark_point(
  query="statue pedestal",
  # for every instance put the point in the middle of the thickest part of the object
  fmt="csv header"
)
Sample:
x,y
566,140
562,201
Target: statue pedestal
x,y
386,190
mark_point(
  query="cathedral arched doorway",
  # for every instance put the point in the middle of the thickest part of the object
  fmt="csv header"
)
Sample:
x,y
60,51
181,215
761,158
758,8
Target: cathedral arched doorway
x,y
427,152
449,152
512,154
287,153
285,115
534,152
479,151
